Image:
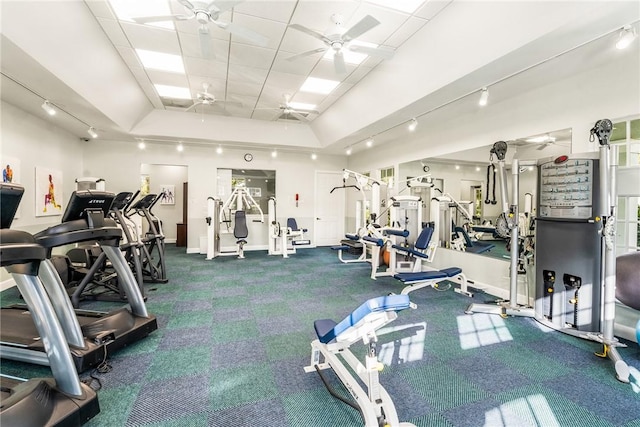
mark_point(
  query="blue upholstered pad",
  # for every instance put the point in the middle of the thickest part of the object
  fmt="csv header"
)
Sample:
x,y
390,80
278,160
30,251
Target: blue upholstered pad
x,y
414,252
401,233
428,275
352,236
377,242
327,329
340,248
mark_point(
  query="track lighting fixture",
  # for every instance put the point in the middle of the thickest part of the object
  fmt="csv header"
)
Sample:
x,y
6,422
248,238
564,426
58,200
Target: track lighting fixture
x,y
141,145
369,142
484,97
92,132
314,156
626,36
46,106
274,154
180,147
348,151
413,124
219,149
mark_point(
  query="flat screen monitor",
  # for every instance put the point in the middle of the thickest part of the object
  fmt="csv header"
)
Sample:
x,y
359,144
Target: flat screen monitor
x,y
145,203
81,201
10,196
122,200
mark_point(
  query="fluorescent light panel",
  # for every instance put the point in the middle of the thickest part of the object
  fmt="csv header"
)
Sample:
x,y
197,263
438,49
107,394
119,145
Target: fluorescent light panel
x,y
161,61
175,92
316,85
301,106
408,6
126,10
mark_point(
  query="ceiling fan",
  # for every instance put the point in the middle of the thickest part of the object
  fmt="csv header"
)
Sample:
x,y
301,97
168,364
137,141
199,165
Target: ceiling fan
x,y
204,13
289,110
339,40
207,99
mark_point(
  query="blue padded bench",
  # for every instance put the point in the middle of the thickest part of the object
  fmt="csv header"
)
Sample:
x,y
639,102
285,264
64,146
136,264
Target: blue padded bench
x,y
422,279
327,330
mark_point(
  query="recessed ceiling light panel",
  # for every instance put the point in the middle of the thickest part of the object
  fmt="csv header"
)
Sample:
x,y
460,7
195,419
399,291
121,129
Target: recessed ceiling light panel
x,y
161,61
301,106
316,85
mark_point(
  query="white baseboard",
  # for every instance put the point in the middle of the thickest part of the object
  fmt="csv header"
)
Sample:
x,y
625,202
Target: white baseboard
x,y
170,241
6,284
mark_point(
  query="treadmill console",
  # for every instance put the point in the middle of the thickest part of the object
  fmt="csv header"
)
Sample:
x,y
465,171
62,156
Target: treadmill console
x,y
83,201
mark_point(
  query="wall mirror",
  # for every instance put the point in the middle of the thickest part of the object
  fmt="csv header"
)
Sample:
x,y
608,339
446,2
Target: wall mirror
x,y
260,185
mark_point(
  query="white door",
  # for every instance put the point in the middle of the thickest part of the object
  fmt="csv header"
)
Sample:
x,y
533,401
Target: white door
x,y
330,208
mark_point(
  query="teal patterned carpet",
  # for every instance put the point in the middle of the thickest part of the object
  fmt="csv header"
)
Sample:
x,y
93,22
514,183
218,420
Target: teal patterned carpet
x,y
234,336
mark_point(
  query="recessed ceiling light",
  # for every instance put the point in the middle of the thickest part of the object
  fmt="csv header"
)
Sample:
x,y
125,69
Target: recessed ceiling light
x,y
126,10
408,6
161,61
301,106
175,92
316,85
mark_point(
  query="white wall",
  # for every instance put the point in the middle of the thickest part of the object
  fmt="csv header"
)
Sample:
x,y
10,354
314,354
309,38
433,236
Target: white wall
x,y
170,215
38,143
119,163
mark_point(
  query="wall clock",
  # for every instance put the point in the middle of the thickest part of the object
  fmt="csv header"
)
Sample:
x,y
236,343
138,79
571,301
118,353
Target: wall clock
x,y
248,157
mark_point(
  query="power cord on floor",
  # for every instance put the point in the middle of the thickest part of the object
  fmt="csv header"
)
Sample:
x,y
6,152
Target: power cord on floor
x,y
103,368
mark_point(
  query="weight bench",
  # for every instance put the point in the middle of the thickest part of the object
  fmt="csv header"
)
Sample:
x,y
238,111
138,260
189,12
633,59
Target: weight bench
x,y
354,242
333,342
423,279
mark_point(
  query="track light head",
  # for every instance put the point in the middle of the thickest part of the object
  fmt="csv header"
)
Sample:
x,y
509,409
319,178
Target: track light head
x,y
180,147
274,154
413,124
141,145
369,142
348,151
314,156
92,132
484,97
46,106
626,36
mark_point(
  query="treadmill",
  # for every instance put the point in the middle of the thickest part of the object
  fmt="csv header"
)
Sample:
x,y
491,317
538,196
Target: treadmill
x,y
91,335
59,401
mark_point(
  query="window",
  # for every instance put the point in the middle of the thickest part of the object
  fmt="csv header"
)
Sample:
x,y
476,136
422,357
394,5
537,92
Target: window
x,y
626,136
386,176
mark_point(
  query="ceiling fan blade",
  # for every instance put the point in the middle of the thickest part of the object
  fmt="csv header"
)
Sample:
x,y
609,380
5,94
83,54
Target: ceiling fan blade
x,y
309,53
195,104
338,63
206,42
299,116
187,4
244,33
149,19
222,6
380,52
364,25
310,32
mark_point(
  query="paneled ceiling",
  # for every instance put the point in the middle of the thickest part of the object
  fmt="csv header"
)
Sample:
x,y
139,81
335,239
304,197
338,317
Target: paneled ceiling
x,y
82,57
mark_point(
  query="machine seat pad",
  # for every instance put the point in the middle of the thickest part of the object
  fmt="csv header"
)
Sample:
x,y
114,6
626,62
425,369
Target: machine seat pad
x,y
323,326
340,248
301,242
420,276
352,236
414,252
377,242
451,271
373,305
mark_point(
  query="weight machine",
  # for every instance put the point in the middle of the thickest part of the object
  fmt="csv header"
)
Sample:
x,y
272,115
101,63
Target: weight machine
x,y
219,212
284,240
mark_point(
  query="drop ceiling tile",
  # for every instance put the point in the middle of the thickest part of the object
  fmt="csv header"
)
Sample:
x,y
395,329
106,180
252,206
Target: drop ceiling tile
x,y
358,74
244,74
165,78
152,38
432,8
405,31
296,41
190,44
269,115
317,14
272,30
284,82
112,29
100,9
244,89
300,66
279,11
241,102
201,67
215,87
259,57
326,70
